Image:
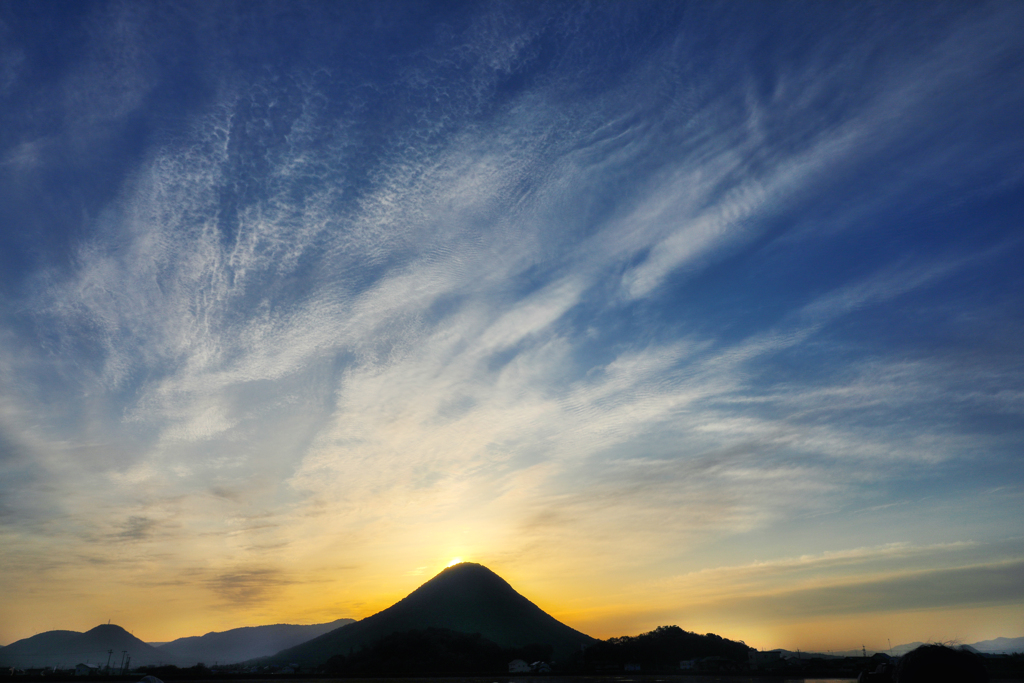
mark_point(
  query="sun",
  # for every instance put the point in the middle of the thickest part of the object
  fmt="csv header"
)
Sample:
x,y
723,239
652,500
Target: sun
x,y
455,561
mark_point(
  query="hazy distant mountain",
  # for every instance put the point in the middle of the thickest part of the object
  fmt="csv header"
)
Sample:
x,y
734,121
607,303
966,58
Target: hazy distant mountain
x,y
995,646
240,644
466,598
65,649
1000,645
834,654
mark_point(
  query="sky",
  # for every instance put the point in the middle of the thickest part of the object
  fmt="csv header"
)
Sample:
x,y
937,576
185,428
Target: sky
x,y
706,314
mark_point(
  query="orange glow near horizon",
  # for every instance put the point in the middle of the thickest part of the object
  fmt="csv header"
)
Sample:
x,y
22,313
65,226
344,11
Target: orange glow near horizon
x,y
585,606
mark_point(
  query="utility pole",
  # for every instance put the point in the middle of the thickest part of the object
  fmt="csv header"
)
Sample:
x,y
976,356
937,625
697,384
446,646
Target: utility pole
x,y
109,653
123,654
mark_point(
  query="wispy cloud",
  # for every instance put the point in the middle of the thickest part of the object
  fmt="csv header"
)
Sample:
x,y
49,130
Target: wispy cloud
x,y
136,528
922,590
247,585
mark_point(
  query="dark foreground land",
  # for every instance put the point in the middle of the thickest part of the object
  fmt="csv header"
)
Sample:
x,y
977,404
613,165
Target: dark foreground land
x,y
666,678
836,670
281,678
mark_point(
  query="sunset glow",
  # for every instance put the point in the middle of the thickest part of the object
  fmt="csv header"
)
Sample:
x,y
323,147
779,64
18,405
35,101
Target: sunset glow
x,y
706,314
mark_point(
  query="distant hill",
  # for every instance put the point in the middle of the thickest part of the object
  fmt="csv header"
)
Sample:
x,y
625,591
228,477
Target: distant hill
x,y
241,644
65,649
466,598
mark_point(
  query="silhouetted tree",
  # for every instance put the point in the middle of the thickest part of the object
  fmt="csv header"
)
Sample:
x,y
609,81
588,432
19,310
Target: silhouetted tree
x,y
660,649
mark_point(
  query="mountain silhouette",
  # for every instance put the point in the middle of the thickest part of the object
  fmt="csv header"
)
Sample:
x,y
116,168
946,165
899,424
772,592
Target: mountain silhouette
x,y
465,598
241,644
65,649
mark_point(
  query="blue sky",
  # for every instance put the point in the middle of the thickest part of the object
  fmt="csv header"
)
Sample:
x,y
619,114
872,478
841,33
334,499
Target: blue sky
x,y
705,314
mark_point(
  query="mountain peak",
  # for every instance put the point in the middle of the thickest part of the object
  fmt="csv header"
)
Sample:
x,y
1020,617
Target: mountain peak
x,y
108,629
466,569
469,566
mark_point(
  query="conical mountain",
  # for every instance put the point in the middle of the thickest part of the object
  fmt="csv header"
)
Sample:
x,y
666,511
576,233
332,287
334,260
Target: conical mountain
x,y
65,649
468,598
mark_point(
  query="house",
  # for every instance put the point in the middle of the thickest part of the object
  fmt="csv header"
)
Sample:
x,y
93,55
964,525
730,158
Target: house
x,y
86,670
540,668
518,666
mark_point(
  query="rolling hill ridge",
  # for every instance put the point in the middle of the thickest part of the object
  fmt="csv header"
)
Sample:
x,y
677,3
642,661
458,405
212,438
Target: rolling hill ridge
x,y
241,644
